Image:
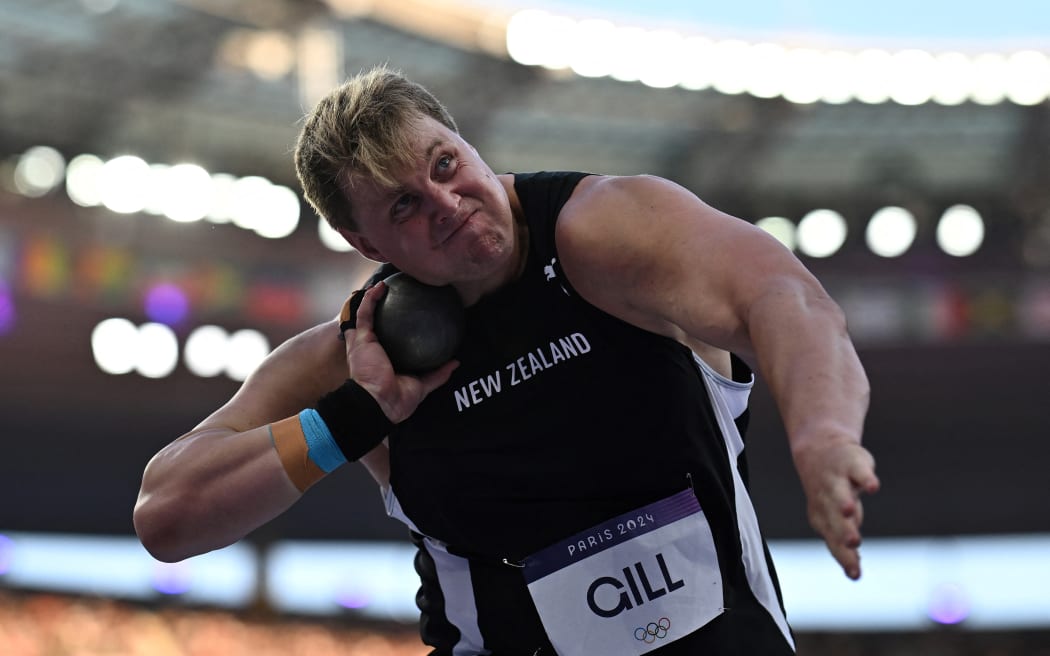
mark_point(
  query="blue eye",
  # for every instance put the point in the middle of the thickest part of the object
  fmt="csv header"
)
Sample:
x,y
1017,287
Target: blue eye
x,y
444,163
402,204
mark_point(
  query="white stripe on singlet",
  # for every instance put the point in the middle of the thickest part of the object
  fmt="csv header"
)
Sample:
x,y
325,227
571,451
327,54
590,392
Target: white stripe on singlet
x,y
454,580
729,400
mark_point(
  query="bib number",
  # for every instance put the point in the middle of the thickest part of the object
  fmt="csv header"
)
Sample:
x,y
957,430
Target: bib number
x,y
631,584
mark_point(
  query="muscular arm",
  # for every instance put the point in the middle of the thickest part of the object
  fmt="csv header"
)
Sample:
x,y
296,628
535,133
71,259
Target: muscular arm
x,y
223,479
680,268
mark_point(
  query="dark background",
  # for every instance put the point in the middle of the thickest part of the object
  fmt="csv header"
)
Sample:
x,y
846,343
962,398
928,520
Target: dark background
x,y
958,414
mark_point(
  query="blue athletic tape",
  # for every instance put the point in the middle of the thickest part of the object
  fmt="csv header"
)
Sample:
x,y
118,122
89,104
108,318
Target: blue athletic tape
x,y
321,446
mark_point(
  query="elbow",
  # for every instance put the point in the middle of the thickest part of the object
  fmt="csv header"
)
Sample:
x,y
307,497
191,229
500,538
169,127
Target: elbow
x,y
159,516
157,531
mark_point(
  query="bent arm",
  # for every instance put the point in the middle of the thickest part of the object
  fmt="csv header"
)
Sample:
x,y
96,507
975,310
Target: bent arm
x,y
653,254
224,479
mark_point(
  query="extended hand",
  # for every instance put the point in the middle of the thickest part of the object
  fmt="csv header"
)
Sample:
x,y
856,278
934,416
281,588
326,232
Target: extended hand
x,y
398,395
834,475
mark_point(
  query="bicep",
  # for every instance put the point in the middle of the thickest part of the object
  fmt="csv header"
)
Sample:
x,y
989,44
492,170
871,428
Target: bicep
x,y
652,253
293,377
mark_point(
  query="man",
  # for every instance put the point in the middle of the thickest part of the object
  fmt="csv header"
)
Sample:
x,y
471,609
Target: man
x,y
571,476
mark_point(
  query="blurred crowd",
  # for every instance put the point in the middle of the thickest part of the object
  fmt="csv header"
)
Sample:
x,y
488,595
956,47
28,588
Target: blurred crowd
x,y
53,625
50,625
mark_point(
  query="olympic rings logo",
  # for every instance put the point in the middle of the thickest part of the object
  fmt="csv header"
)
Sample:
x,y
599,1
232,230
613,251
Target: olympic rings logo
x,y
653,631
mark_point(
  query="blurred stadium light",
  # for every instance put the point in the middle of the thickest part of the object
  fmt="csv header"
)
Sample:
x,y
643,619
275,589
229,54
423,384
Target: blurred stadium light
x,y
985,583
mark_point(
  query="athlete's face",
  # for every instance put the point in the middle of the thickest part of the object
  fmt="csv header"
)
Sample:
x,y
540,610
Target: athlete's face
x,y
447,220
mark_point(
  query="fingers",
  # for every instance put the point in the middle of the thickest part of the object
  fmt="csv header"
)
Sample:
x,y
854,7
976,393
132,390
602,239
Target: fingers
x,y
838,513
842,535
848,559
862,473
365,312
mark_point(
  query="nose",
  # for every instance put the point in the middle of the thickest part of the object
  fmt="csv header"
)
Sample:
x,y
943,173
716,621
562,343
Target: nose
x,y
445,203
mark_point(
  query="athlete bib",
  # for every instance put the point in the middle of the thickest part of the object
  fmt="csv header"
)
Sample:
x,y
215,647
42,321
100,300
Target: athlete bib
x,y
630,584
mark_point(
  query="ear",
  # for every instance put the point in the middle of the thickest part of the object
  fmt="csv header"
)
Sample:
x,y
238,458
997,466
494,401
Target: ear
x,y
362,244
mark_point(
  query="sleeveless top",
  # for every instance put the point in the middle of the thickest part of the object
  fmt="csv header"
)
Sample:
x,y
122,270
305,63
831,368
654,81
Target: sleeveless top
x,y
559,417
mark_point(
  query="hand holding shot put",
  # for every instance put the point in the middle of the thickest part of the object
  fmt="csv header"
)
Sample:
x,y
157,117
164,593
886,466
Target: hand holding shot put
x,y
370,363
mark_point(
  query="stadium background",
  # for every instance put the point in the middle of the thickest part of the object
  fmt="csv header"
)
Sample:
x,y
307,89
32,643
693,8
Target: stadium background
x,y
956,346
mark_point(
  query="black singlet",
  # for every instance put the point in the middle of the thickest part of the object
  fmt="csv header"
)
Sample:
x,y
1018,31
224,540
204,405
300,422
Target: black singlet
x,y
561,416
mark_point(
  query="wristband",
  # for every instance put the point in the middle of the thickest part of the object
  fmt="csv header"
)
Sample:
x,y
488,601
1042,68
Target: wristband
x,y
347,424
356,422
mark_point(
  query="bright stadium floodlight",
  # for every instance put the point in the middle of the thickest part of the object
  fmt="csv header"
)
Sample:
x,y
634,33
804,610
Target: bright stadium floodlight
x,y
782,229
113,345
186,193
806,83
598,39
891,231
837,71
626,67
559,42
246,350
913,76
960,232
157,350
1028,77
280,217
125,184
661,59
989,75
768,70
222,198
872,76
698,75
953,78
82,180
729,66
526,34
205,351
821,233
249,200
39,170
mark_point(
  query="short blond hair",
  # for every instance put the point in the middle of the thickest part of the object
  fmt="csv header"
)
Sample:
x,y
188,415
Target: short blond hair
x,y
360,127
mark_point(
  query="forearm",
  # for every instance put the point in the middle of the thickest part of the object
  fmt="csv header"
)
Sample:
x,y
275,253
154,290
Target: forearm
x,y
809,362
209,489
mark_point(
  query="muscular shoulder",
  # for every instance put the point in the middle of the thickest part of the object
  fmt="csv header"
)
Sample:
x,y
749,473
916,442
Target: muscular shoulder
x,y
611,239
607,192
652,253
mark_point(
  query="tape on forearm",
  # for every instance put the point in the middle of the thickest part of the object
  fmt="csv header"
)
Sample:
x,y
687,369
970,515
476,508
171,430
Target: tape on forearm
x,y
290,442
347,424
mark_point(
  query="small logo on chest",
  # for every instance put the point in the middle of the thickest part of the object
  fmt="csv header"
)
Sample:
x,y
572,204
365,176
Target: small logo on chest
x,y
549,270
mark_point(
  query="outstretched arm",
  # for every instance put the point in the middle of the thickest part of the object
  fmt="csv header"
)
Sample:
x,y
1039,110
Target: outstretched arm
x,y
653,254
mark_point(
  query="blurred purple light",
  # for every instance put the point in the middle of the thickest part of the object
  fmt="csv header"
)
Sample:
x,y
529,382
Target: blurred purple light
x,y
353,599
166,303
7,549
949,604
171,578
7,310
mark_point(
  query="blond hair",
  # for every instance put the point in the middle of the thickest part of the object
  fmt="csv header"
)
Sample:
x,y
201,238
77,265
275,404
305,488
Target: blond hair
x,y
360,127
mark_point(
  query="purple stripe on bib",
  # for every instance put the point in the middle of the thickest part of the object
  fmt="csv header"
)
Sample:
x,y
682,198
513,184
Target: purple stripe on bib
x,y
610,533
